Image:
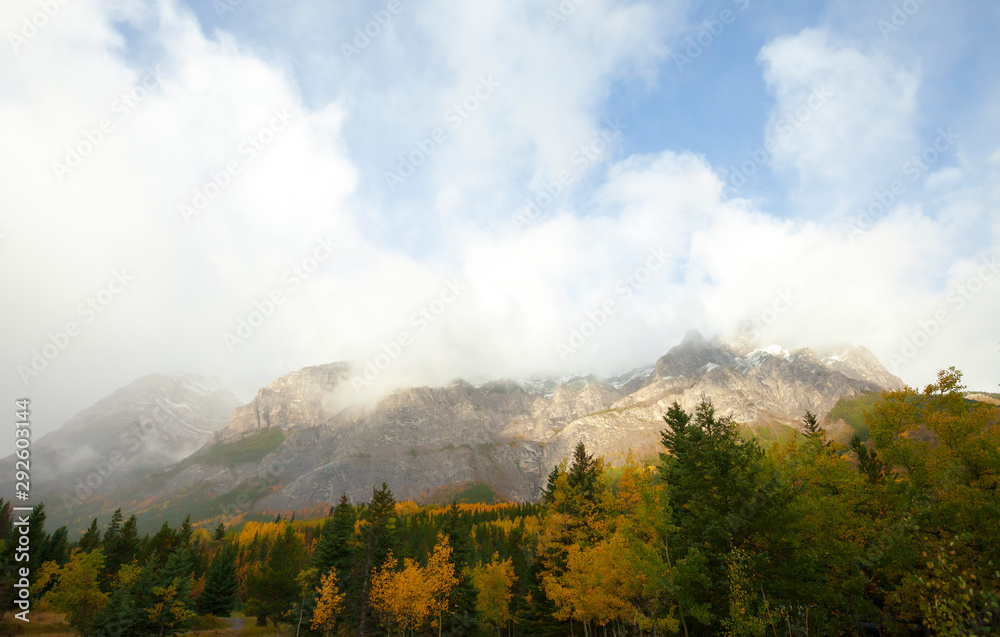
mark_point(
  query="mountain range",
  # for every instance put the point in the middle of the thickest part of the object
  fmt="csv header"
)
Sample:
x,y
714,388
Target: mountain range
x,y
171,445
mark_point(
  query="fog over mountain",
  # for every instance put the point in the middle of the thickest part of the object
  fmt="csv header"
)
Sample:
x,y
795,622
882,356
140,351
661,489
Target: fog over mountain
x,y
488,190
169,445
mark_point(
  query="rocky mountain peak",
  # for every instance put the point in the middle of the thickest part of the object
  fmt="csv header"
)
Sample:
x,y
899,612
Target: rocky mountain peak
x,y
302,398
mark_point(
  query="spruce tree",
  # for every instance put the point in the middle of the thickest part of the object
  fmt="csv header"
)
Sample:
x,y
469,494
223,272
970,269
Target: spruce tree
x,y
57,546
273,588
549,491
178,572
583,473
91,539
221,586
334,549
123,545
378,535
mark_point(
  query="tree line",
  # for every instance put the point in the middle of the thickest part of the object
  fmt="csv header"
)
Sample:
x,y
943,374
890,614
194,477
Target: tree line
x,y
898,534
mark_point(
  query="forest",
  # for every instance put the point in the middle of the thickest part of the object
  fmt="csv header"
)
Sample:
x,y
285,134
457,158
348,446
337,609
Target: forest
x,y
895,533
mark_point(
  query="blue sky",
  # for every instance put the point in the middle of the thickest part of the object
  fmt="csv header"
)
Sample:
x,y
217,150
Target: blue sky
x,y
262,134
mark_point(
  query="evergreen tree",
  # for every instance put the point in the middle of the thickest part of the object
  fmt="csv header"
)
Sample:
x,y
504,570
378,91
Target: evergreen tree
x,y
122,546
161,545
220,532
221,586
273,587
583,473
869,463
113,530
380,515
334,549
57,546
91,539
712,474
549,491
184,533
178,571
37,538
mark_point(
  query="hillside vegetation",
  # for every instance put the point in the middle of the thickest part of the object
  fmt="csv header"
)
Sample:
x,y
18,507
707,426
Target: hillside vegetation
x,y
898,535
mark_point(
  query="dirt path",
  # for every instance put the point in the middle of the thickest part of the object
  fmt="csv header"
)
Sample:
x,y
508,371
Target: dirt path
x,y
235,623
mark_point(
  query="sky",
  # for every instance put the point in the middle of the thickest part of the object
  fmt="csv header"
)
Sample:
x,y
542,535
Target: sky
x,y
487,190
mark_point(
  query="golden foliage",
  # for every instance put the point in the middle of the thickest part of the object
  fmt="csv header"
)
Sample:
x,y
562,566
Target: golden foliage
x,y
329,603
493,583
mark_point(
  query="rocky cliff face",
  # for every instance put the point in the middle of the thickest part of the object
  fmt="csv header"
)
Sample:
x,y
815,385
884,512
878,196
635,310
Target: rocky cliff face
x,y
509,434
298,399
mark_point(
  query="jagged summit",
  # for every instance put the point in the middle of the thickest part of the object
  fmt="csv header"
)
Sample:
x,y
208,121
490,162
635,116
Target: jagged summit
x,y
313,443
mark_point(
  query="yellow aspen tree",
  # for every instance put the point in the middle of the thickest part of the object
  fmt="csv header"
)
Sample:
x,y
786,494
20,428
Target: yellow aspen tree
x,y
381,595
494,582
441,579
412,597
329,603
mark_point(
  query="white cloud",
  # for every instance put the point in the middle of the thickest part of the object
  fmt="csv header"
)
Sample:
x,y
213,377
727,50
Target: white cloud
x,y
717,262
844,120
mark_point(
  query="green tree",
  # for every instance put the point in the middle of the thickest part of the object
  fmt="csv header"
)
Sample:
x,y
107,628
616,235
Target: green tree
x,y
77,592
379,519
222,584
715,479
91,539
273,585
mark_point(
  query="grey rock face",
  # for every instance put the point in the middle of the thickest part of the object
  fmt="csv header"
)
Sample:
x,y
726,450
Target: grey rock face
x,y
509,435
423,440
142,428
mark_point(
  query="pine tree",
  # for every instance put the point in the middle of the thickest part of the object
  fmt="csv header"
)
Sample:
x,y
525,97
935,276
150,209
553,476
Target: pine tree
x,y
177,573
869,462
334,549
161,545
379,513
57,546
220,532
91,540
713,477
184,533
273,586
583,473
549,491
222,584
123,545
37,538
811,425
114,528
